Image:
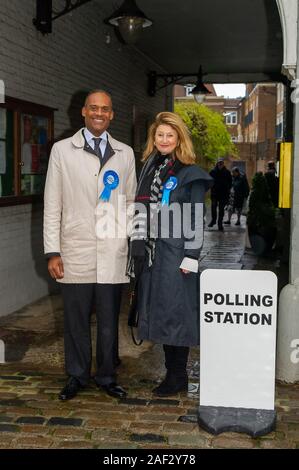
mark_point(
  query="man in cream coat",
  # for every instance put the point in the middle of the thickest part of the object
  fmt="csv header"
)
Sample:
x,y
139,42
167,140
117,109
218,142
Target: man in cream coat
x,y
90,185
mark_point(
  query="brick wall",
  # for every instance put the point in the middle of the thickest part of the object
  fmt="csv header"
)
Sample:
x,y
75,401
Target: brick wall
x,y
247,151
55,70
267,114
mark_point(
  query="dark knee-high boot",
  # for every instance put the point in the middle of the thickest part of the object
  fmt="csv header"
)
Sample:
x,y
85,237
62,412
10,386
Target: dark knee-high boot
x,y
176,379
180,365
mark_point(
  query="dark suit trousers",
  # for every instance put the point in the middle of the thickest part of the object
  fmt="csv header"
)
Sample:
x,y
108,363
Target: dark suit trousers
x,y
79,300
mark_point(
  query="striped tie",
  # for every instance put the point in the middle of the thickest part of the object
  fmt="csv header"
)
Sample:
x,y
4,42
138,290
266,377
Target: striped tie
x,y
97,149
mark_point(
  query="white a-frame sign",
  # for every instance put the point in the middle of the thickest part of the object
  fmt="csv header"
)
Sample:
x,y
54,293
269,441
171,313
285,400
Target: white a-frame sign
x,y
237,351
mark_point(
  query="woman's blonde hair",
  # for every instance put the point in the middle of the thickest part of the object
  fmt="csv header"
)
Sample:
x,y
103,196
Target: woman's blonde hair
x,y
184,150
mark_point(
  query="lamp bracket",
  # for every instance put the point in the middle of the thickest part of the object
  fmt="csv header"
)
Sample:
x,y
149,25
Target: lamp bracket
x,y
46,15
70,5
166,79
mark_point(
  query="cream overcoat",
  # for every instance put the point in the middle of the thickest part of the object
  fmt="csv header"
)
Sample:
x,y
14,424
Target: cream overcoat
x,y
91,235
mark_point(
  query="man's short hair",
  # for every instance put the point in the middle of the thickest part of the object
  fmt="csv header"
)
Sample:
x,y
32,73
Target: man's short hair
x,y
97,90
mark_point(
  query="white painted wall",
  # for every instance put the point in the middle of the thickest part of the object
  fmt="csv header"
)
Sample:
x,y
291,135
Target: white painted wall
x,y
294,245
288,319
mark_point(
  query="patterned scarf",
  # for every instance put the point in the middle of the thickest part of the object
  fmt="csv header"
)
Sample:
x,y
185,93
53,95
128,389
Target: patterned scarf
x,y
149,193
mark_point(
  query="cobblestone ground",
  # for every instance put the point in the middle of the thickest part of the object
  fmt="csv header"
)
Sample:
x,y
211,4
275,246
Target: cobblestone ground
x,y
31,416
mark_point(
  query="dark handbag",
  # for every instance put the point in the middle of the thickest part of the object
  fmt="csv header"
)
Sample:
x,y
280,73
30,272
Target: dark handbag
x,y
133,316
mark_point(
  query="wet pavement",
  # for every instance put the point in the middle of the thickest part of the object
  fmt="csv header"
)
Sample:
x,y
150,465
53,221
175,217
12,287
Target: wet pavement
x,y
31,416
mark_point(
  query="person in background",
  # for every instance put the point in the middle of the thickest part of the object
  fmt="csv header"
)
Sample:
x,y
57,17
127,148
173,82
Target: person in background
x,y
239,192
272,182
89,173
165,265
220,192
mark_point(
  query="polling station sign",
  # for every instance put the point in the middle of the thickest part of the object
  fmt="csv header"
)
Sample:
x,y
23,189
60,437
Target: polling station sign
x,y
237,338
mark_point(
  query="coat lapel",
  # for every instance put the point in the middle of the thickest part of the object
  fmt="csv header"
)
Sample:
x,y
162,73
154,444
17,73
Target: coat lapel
x,y
79,140
109,152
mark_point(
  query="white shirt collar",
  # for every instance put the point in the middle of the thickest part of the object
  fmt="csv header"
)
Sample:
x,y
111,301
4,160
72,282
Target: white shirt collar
x,y
89,136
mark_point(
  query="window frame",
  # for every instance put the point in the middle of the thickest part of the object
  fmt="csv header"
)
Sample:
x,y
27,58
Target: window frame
x,y
19,107
230,117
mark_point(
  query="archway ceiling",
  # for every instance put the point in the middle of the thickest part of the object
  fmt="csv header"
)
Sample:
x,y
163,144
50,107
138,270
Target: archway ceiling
x,y
234,40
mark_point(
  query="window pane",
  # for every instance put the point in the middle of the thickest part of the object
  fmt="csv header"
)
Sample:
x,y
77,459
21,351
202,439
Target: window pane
x,y
34,138
6,153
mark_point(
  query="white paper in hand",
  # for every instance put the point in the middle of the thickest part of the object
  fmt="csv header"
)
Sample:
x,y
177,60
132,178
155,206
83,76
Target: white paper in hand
x,y
189,264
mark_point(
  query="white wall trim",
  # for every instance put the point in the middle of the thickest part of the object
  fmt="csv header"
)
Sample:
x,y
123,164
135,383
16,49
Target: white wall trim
x,y
288,11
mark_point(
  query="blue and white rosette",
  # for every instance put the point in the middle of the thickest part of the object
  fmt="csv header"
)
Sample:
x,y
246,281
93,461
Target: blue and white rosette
x,y
169,186
111,181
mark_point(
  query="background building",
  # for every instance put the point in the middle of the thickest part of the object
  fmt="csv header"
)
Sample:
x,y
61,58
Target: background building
x,y
255,122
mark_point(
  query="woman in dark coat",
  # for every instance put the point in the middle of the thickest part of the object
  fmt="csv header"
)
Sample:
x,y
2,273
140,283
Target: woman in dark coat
x,y
165,246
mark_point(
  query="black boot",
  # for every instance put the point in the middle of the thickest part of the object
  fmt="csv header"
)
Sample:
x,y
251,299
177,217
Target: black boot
x,y
176,379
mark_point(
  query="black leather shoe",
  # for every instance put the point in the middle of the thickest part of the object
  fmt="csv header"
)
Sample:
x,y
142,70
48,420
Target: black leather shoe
x,y
211,224
71,389
113,390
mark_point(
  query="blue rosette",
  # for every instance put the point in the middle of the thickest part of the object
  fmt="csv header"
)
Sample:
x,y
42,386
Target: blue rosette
x,y
111,181
169,186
